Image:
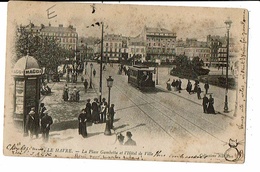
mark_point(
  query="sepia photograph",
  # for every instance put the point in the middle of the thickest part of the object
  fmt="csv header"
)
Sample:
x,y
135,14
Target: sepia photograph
x,y
126,82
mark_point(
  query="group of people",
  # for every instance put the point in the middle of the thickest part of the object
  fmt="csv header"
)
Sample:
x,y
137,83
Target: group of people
x,y
95,112
72,95
38,122
208,103
129,142
176,85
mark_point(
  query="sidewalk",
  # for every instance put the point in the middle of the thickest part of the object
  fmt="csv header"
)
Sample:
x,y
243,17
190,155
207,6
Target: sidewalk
x,y
218,93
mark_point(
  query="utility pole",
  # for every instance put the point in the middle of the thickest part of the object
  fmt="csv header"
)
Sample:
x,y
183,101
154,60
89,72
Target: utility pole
x,y
101,61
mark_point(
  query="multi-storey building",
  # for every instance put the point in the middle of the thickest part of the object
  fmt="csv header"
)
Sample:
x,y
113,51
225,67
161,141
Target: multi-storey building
x,y
137,48
67,36
194,48
112,45
160,44
179,47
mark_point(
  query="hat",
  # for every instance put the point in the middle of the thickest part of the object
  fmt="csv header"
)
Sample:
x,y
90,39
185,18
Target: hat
x,y
129,134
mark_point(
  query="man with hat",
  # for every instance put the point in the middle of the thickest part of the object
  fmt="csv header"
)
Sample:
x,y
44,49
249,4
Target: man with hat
x,y
46,123
130,141
31,123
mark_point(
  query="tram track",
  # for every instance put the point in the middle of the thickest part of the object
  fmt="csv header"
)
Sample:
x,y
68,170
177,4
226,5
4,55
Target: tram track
x,y
172,112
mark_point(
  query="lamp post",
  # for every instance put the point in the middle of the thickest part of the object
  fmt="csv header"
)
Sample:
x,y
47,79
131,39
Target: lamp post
x,y
109,85
90,82
228,23
101,61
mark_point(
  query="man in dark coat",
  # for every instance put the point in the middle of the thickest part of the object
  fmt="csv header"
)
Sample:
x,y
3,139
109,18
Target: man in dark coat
x,y
198,91
205,102
189,87
46,123
83,123
85,85
111,113
31,121
206,86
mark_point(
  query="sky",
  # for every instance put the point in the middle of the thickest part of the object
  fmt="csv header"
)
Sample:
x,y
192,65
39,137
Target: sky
x,y
128,20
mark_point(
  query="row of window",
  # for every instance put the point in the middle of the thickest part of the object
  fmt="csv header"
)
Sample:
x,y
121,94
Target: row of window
x,y
159,44
160,39
111,44
112,55
198,50
59,34
69,40
161,34
167,51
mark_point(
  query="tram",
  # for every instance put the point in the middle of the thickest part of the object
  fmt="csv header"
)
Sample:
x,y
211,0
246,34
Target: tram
x,y
141,77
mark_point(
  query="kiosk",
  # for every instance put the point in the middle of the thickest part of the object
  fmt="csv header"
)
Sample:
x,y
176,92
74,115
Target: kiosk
x,y
27,82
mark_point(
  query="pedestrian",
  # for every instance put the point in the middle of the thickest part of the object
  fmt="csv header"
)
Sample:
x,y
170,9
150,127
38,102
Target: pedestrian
x,y
46,123
177,85
180,82
88,110
198,91
206,86
211,109
195,87
95,111
168,85
65,93
173,84
85,85
111,115
83,123
82,78
31,123
130,141
205,102
41,110
189,87
103,112
94,72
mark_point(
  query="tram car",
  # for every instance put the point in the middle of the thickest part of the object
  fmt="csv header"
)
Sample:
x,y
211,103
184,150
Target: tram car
x,y
141,77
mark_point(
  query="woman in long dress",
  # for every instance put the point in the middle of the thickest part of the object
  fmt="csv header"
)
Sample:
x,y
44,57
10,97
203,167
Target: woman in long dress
x,y
83,123
211,109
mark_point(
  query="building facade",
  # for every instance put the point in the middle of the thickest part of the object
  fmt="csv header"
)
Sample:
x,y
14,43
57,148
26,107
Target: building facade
x,y
137,48
112,46
67,36
160,44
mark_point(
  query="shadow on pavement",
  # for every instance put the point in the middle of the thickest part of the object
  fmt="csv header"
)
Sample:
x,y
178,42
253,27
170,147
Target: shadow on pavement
x,y
65,125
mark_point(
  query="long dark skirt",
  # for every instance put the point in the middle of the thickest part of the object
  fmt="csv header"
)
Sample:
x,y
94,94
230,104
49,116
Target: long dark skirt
x,y
211,109
83,129
95,116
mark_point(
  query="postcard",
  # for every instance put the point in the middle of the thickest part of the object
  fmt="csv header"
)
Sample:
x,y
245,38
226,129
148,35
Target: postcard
x,y
126,82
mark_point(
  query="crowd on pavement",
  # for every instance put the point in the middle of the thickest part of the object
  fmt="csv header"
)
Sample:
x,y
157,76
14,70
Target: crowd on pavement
x,y
207,103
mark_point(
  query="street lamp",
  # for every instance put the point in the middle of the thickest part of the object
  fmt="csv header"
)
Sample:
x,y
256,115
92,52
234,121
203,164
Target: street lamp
x,y
228,23
109,85
90,82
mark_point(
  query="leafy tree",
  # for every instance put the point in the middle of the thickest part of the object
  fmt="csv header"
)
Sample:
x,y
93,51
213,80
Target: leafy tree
x,y
46,50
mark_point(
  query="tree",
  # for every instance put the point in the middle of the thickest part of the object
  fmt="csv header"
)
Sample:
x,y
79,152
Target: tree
x,y
46,49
